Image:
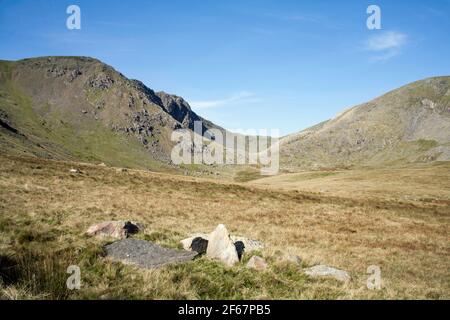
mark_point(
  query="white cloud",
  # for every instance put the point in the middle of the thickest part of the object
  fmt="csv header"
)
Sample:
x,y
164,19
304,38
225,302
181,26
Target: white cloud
x,y
240,97
387,45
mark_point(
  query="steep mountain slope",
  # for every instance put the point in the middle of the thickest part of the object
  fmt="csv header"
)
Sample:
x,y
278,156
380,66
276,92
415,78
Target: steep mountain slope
x,y
79,108
407,125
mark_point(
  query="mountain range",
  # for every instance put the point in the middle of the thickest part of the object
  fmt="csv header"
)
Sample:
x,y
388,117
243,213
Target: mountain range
x,y
80,109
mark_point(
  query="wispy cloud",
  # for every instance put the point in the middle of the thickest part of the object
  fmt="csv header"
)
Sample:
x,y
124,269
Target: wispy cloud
x,y
387,45
240,97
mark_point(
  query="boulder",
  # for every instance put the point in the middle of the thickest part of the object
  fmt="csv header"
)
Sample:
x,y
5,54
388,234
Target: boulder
x,y
249,244
114,229
146,254
221,247
326,271
257,263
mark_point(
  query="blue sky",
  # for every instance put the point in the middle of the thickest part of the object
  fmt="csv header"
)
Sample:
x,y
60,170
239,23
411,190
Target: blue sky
x,y
245,63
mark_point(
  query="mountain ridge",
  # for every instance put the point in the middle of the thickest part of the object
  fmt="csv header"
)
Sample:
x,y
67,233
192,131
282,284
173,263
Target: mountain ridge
x,y
78,108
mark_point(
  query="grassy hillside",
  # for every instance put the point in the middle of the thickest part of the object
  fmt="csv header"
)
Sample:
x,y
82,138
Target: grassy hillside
x,y
407,125
45,210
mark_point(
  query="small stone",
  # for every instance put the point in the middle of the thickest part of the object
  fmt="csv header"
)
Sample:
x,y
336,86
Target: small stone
x,y
326,271
257,263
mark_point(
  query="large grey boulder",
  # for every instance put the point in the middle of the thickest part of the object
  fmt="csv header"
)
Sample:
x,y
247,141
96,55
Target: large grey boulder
x,y
146,254
221,247
326,271
114,229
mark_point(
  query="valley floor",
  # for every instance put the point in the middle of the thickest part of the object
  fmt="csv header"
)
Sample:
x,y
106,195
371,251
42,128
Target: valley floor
x,y
396,219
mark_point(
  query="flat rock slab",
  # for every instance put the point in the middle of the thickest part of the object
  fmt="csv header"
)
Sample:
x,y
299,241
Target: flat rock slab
x,y
146,254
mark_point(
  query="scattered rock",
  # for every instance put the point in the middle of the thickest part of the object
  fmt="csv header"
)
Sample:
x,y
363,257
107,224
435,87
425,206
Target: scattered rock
x,y
257,263
114,229
221,247
199,245
326,271
101,81
146,254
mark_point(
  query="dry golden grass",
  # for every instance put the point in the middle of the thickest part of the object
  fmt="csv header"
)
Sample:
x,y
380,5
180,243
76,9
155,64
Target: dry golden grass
x,y
45,208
